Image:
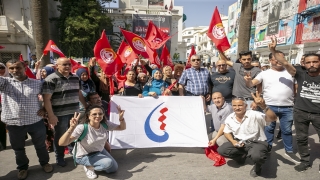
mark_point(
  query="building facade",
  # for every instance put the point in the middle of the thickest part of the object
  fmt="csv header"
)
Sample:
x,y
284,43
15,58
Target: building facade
x,y
135,15
16,31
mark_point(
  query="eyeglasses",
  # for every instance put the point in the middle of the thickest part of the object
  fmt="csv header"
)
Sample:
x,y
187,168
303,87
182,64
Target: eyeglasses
x,y
222,65
67,64
193,60
2,68
96,114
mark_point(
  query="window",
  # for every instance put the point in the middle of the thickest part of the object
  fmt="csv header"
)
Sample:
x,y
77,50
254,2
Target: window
x,y
6,56
1,8
287,5
188,40
187,54
232,15
316,24
189,32
265,12
199,39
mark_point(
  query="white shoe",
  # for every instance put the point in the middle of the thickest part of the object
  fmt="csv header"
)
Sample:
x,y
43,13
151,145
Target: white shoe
x,y
90,173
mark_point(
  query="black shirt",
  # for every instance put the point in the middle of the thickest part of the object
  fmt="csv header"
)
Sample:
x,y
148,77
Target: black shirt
x,y
308,96
132,90
223,83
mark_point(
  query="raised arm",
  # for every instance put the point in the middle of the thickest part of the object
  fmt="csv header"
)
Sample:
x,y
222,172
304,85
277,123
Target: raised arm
x,y
270,115
66,138
280,57
223,57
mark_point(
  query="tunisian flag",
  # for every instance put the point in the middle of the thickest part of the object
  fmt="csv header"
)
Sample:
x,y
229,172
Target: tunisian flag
x,y
216,32
28,71
138,44
106,58
155,37
192,52
126,53
166,58
51,46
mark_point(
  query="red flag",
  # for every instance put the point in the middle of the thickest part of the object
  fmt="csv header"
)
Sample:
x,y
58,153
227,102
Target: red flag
x,y
28,71
75,65
216,32
212,153
126,53
155,59
156,37
192,52
138,44
1,47
166,58
51,46
106,57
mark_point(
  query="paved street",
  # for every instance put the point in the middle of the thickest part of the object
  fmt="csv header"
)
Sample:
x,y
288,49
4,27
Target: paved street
x,y
169,163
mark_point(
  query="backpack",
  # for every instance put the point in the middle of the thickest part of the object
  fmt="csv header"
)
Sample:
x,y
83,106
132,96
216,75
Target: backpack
x,y
83,134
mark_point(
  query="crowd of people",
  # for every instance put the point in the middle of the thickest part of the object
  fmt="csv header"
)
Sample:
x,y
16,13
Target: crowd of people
x,y
62,110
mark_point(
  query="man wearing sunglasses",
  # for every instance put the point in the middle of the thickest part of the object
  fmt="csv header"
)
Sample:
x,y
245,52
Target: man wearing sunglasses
x,y
244,67
245,131
223,80
195,81
61,97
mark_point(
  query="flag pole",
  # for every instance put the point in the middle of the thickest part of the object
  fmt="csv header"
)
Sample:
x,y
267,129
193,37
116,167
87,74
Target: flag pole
x,y
41,57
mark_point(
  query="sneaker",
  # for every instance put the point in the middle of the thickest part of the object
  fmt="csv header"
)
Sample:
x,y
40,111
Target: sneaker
x,y
293,157
279,135
48,168
22,174
256,170
269,148
61,162
90,173
302,167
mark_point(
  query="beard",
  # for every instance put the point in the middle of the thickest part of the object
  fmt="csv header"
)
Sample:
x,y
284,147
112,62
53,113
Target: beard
x,y
312,69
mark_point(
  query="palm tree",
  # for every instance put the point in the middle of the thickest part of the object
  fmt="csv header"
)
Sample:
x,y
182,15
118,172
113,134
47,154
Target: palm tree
x,y
40,27
245,25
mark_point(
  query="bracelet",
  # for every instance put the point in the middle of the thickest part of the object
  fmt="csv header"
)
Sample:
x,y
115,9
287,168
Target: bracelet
x,y
121,119
266,109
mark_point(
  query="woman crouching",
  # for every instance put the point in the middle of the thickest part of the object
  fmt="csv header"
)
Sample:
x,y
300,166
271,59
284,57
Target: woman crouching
x,y
90,150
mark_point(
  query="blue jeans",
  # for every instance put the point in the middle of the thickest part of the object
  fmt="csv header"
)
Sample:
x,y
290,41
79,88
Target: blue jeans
x,y
101,161
285,114
17,135
61,127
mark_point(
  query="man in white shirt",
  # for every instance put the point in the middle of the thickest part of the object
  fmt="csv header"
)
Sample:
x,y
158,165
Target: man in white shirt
x,y
278,91
245,131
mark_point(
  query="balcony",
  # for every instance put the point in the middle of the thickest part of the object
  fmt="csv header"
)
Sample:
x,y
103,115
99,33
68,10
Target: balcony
x,y
182,44
264,2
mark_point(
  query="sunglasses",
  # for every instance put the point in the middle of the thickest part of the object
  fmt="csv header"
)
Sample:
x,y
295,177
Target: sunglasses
x,y
193,60
67,64
2,68
222,65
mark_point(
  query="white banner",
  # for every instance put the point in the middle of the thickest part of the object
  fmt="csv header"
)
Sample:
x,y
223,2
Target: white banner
x,y
167,121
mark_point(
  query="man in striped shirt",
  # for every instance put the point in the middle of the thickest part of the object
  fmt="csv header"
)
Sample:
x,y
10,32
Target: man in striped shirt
x,y
61,97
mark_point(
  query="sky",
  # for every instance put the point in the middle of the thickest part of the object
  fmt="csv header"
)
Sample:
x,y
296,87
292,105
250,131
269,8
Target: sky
x,y
199,12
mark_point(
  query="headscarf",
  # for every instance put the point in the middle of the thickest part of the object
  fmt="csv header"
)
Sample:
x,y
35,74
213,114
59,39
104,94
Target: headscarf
x,y
158,83
6,73
88,85
49,71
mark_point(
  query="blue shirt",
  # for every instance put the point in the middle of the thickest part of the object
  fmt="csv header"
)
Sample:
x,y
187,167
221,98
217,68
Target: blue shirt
x,y
196,81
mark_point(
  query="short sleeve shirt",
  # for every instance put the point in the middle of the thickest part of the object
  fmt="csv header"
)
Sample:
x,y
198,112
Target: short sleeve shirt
x,y
223,83
240,88
308,98
219,115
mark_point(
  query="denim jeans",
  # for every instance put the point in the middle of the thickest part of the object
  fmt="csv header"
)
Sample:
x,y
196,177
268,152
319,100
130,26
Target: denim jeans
x,y
101,161
17,135
61,127
302,120
285,114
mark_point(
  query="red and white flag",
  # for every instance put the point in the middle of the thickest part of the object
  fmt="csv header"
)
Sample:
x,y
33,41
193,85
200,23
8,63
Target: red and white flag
x,y
216,32
138,44
154,59
106,57
192,52
126,53
166,58
51,46
28,71
171,6
155,36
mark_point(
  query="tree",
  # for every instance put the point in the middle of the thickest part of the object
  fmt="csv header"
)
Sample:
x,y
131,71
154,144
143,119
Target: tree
x,y
80,25
117,36
245,25
41,28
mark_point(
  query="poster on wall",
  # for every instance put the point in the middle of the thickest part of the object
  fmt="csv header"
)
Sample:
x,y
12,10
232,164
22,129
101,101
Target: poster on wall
x,y
274,15
112,4
273,28
140,25
138,2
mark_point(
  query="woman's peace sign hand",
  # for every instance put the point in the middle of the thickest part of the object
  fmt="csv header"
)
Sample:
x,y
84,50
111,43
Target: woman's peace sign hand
x,y
74,120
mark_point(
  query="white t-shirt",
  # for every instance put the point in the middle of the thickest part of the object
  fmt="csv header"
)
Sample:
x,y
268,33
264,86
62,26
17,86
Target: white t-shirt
x,y
251,127
94,140
277,87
